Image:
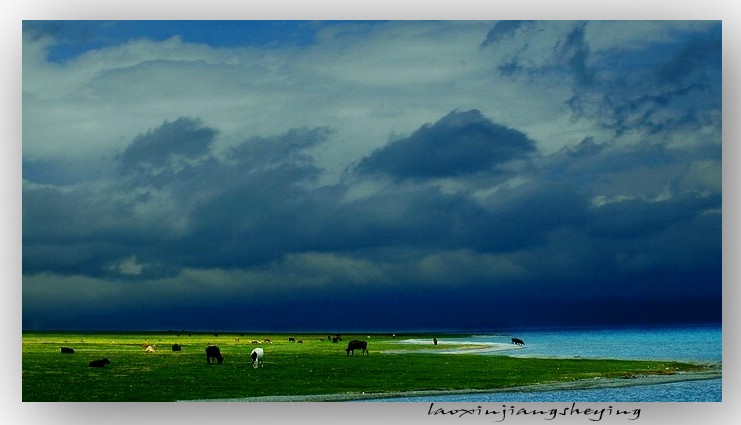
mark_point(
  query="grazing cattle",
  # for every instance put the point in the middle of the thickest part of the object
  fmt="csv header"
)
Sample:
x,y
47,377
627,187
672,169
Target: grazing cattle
x,y
291,339
99,363
254,341
213,352
256,356
518,341
176,347
357,345
267,341
335,340
150,349
300,341
434,341
67,350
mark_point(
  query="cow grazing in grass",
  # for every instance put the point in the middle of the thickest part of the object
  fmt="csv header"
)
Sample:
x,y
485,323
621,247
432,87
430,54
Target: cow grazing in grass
x,y
213,352
150,349
67,350
99,363
291,339
256,356
518,341
177,347
357,345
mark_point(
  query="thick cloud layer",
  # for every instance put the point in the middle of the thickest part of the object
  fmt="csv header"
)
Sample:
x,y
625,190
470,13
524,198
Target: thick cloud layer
x,y
460,143
561,173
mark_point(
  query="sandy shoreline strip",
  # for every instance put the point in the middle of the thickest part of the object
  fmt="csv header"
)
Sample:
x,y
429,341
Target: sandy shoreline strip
x,y
579,384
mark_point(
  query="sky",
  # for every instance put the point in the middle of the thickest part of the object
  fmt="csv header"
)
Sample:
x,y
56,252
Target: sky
x,y
370,175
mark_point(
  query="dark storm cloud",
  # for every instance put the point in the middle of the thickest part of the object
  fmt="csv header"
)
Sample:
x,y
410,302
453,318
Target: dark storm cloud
x,y
78,231
173,144
529,218
670,91
460,143
638,217
177,204
573,51
504,30
256,203
698,58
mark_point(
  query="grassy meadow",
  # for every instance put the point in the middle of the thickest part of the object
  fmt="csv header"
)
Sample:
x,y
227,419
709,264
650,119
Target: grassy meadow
x,y
312,367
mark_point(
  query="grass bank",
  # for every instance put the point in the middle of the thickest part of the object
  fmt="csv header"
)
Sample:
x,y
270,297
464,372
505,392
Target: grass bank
x,y
313,367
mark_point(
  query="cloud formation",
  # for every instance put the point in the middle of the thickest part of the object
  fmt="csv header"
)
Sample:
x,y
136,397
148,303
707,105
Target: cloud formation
x,y
401,166
459,143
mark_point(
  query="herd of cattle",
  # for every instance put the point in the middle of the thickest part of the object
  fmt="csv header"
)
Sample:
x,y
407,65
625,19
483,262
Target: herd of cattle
x,y
214,356
213,353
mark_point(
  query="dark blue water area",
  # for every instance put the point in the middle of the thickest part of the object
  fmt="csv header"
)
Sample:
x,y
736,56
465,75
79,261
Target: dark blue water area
x,y
686,343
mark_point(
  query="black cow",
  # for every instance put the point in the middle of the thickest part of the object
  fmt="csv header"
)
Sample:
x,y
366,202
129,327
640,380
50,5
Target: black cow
x,y
99,362
213,352
357,345
176,347
291,339
518,341
67,350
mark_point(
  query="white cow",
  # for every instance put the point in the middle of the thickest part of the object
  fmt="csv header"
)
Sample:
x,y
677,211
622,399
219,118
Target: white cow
x,y
257,355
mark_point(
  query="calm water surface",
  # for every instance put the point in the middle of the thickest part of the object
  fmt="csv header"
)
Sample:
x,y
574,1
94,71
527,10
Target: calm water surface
x,y
691,343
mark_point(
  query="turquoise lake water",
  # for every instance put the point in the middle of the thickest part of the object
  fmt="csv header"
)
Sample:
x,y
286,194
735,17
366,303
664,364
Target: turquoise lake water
x,y
685,343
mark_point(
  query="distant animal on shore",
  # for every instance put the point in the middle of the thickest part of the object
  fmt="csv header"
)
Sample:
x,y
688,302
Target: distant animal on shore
x,y
213,352
254,341
518,341
256,356
176,347
67,350
99,363
357,345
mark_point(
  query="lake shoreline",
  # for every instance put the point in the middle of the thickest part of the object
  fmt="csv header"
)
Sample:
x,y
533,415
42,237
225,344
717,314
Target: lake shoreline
x,y
715,373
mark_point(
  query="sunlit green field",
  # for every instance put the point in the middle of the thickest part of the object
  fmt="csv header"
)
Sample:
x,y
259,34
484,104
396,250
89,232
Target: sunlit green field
x,y
312,367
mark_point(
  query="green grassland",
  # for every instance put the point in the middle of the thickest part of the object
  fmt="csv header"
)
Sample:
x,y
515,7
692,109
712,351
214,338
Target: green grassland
x,y
290,368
